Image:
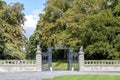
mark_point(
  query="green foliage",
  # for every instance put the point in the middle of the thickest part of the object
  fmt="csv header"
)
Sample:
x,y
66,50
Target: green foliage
x,y
101,50
95,24
2,44
31,47
117,42
12,51
11,30
116,11
103,32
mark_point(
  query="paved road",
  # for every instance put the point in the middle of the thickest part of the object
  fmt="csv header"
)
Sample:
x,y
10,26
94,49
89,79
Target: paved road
x,y
46,74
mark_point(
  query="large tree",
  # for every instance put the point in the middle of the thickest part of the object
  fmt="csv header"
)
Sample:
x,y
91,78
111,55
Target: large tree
x,y
46,27
11,30
91,23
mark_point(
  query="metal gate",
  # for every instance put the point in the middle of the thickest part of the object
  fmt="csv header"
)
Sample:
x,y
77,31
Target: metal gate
x,y
75,64
45,61
72,60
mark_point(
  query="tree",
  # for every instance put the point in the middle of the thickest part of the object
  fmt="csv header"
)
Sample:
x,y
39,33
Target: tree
x,y
2,44
102,31
91,23
11,30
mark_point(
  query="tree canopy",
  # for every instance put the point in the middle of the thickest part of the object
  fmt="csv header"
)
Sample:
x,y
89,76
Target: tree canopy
x,y
95,24
11,30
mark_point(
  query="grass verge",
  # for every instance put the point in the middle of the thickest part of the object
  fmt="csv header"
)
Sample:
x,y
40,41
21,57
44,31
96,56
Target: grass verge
x,y
87,77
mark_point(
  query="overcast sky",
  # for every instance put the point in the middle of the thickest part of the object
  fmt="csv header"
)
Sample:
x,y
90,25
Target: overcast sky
x,y
32,9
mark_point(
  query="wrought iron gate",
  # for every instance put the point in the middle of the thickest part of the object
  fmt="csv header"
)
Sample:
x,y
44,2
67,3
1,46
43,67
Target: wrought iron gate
x,y
72,60
75,64
45,61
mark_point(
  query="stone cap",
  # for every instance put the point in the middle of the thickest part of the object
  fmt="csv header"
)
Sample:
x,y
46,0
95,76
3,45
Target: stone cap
x,y
38,50
81,50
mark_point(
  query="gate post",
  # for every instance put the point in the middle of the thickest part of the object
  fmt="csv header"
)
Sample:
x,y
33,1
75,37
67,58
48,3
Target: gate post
x,y
81,59
38,59
50,59
70,59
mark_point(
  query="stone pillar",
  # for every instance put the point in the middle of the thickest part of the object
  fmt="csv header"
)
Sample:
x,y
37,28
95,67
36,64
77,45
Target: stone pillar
x,y
81,59
38,59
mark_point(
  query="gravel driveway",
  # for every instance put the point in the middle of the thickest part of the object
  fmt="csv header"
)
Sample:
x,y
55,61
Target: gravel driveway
x,y
45,74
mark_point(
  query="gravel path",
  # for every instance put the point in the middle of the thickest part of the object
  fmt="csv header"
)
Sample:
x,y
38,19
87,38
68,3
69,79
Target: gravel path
x,y
45,74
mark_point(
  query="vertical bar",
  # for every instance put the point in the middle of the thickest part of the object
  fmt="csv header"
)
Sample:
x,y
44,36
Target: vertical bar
x,y
70,59
50,58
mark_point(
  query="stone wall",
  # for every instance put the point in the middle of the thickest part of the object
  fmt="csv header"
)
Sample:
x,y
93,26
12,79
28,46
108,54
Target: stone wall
x,y
97,65
17,65
10,68
102,65
22,65
101,68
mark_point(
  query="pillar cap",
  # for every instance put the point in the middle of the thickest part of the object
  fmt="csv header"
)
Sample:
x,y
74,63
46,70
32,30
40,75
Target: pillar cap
x,y
81,50
81,53
38,50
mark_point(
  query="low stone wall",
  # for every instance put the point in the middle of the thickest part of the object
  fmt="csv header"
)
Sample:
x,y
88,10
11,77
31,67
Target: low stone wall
x,y
97,65
17,65
22,65
10,68
101,65
101,68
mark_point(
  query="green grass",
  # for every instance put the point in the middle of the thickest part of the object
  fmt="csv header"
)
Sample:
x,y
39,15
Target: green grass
x,y
87,77
63,65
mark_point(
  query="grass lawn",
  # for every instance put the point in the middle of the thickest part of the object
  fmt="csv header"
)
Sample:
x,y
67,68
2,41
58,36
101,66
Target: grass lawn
x,y
60,65
87,77
63,65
